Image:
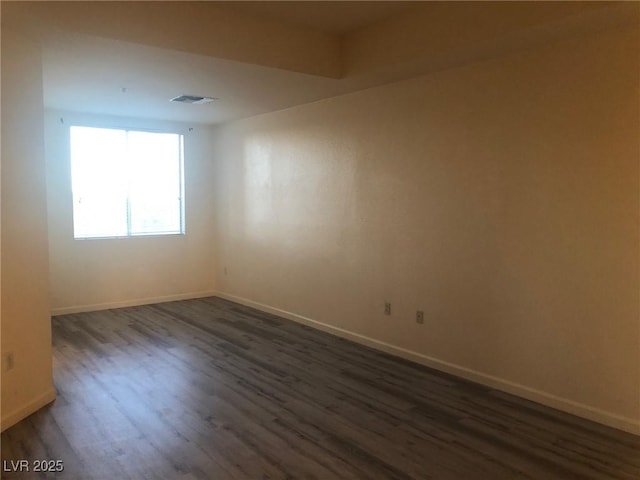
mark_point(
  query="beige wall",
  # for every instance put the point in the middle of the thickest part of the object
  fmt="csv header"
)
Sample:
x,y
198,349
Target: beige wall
x,y
26,326
92,274
501,198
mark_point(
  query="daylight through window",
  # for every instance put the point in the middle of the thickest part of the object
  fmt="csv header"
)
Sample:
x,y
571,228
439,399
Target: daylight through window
x,y
126,182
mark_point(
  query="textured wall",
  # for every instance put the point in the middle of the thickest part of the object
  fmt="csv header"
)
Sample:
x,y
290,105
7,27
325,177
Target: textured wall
x,y
501,198
26,326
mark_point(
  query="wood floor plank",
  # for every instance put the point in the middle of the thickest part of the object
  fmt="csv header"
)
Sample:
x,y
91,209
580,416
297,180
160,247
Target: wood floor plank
x,y
209,389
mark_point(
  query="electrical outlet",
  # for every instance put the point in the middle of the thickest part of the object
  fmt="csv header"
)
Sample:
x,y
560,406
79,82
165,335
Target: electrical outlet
x,y
9,361
420,317
387,308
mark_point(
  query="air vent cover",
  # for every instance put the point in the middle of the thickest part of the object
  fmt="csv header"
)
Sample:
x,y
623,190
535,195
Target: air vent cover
x,y
195,99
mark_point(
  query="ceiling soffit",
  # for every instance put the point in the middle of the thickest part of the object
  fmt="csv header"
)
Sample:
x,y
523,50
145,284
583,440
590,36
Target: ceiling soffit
x,y
200,27
421,33
267,56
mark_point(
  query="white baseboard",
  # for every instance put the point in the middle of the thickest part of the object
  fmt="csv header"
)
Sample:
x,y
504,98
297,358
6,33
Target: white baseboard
x,y
575,408
25,410
130,303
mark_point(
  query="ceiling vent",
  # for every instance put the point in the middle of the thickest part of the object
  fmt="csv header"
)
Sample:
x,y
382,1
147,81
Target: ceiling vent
x,y
195,99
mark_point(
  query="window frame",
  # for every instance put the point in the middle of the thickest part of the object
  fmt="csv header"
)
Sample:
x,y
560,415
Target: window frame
x,y
182,192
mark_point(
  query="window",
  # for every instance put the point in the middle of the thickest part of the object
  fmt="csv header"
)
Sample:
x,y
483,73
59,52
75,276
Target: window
x,y
126,182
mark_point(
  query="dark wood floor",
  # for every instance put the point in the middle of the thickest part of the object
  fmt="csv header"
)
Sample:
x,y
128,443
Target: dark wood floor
x,y
211,389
